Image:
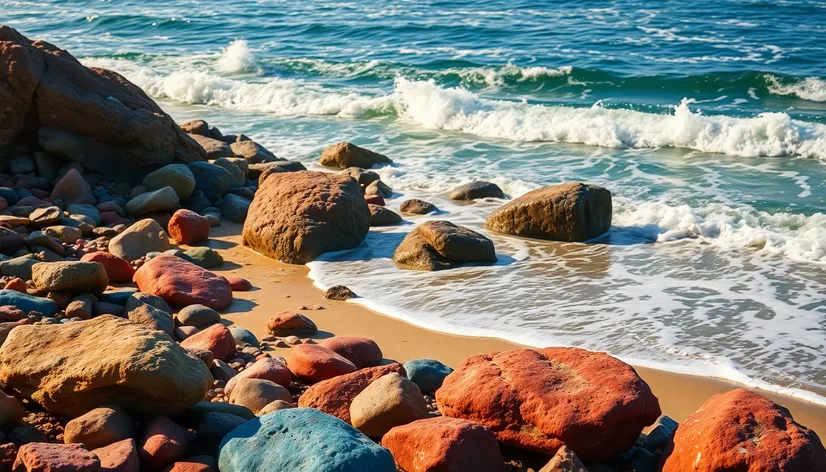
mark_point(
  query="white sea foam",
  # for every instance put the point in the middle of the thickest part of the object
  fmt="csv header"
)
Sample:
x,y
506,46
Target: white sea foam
x,y
810,88
236,57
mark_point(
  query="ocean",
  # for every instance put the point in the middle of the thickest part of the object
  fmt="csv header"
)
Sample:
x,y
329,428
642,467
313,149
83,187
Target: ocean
x,y
706,120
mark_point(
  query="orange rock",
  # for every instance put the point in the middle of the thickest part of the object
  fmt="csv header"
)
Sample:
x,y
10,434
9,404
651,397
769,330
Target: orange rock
x,y
117,269
363,352
17,284
743,431
216,339
180,282
317,363
194,464
45,457
188,227
163,443
267,368
121,456
290,323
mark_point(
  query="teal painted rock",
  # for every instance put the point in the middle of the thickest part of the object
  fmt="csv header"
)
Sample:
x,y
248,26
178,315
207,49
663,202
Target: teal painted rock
x,y
302,439
28,302
428,374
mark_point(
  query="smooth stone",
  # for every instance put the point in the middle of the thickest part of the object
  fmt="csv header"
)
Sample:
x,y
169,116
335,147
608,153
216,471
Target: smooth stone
x,y
389,401
428,374
199,316
203,256
28,302
99,427
236,175
89,210
139,239
243,336
210,179
177,176
158,201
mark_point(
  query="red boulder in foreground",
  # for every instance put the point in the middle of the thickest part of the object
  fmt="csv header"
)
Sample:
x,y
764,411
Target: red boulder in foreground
x,y
444,444
181,282
540,399
188,227
216,339
117,268
317,363
56,457
743,431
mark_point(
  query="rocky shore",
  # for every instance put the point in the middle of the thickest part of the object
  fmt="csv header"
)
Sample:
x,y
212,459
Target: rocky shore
x,y
116,352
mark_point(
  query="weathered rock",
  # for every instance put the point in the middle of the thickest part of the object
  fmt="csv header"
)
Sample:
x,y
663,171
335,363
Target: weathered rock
x,y
477,189
177,176
437,245
99,427
741,430
180,282
363,177
596,415
163,442
290,323
252,152
333,396
67,234
28,303
121,456
565,460
74,367
257,393
143,311
193,464
417,207
389,401
301,439
216,339
11,412
8,454
237,178
199,316
567,212
210,179
117,269
298,216
379,188
344,155
339,292
382,216
361,351
141,238
45,216
72,188
70,276
212,147
158,201
46,457
199,127
235,208
80,307
317,363
444,445
428,374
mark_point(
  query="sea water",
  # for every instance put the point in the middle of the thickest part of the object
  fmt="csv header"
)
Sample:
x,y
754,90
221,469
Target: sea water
x,y
706,120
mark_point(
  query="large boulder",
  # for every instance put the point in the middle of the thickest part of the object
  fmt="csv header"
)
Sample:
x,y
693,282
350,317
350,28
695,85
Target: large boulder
x,y
741,430
89,115
566,212
136,241
438,245
301,439
344,155
295,217
74,367
597,405
181,282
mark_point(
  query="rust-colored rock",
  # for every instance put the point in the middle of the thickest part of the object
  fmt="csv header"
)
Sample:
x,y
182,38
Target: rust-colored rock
x,y
566,212
317,363
744,432
163,442
121,456
117,268
267,368
217,339
295,217
444,444
289,323
540,399
361,351
335,395
344,155
188,227
181,282
46,457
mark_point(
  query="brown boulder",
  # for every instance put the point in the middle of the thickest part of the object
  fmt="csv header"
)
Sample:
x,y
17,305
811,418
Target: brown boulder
x,y
743,431
99,428
566,212
213,148
381,216
317,363
255,394
417,207
344,155
295,217
540,399
289,323
334,396
437,245
89,115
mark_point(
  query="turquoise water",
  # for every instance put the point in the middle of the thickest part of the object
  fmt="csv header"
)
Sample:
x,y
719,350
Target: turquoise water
x,y
707,121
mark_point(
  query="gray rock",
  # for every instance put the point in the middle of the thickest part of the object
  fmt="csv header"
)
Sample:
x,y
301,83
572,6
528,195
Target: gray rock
x,y
161,200
244,336
21,165
205,257
660,434
199,316
210,179
88,210
196,202
47,165
235,208
237,176
177,176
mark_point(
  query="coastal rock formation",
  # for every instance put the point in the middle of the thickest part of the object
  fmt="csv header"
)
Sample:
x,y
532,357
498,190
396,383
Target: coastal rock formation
x,y
344,155
741,430
180,282
71,368
438,245
88,115
444,444
596,415
566,212
477,189
295,217
301,439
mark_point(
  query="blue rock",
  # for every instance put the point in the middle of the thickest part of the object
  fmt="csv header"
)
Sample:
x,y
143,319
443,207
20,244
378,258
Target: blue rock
x,y
9,194
661,433
302,439
118,297
210,179
28,303
428,374
244,336
88,210
235,208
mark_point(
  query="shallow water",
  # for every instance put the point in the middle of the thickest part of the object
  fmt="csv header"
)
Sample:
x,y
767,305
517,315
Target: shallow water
x,y
707,121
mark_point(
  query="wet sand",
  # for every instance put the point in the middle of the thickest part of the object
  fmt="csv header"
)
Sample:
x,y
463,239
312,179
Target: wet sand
x,y
280,287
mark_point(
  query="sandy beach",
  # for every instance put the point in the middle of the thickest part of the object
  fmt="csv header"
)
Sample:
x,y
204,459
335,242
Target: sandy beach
x,y
282,287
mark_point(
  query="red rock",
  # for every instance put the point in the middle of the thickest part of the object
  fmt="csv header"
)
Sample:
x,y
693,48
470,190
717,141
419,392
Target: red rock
x,y
188,227
540,399
72,188
180,282
11,313
15,284
375,200
444,445
317,363
239,284
216,339
743,431
363,352
117,269
194,464
121,456
335,395
47,457
163,442
267,368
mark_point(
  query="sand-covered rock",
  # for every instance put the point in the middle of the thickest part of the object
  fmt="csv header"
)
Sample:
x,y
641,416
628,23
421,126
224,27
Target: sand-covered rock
x,y
437,245
70,276
71,368
344,155
595,414
296,217
741,430
180,282
566,212
389,401
136,241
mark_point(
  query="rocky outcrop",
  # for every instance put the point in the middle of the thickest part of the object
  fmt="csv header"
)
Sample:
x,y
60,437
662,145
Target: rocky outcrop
x,y
566,212
71,368
540,399
437,245
88,115
295,217
741,430
344,155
